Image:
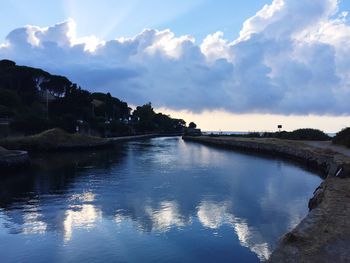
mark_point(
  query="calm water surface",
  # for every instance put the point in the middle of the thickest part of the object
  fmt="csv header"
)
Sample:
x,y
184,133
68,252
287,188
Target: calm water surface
x,y
158,200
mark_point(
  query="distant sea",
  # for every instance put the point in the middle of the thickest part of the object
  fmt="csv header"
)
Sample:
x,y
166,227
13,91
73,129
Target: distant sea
x,y
331,134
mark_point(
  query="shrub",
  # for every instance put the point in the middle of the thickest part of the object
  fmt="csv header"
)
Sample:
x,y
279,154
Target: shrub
x,y
308,134
343,137
192,125
29,124
5,112
300,134
53,139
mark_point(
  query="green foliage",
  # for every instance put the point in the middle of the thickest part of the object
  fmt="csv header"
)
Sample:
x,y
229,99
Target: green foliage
x,y
308,134
342,137
66,122
76,102
52,139
118,128
5,112
145,115
253,135
300,134
37,100
30,124
56,84
5,63
9,98
109,107
192,125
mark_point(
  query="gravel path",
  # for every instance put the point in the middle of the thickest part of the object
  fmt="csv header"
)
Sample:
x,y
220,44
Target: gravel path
x,y
328,145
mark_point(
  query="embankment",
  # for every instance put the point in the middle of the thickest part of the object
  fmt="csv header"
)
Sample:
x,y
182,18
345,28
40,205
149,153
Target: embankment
x,y
58,140
13,159
54,140
324,234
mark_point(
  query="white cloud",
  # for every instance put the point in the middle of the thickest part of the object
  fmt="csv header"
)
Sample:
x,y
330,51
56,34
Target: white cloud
x,y
290,58
216,47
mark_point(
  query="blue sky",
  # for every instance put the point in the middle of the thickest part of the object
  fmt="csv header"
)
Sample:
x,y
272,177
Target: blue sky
x,y
108,19
251,60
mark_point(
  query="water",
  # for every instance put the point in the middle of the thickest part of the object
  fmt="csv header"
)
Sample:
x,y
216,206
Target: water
x,y
158,200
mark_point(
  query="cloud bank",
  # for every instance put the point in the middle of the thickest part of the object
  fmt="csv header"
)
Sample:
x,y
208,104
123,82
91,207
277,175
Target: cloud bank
x,y
292,57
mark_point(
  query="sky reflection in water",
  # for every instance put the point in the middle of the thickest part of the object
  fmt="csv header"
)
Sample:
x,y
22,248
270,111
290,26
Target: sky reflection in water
x,y
159,200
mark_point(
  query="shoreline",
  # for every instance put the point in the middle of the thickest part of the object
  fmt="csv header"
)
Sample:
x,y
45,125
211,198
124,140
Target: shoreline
x,y
324,234
18,157
10,160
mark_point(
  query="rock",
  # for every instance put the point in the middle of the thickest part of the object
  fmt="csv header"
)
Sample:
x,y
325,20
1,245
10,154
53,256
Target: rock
x,y
317,198
13,159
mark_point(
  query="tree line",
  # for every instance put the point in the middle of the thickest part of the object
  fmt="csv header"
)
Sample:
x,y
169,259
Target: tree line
x,y
35,100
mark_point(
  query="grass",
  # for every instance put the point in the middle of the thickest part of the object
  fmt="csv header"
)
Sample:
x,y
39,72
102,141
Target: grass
x,y
54,139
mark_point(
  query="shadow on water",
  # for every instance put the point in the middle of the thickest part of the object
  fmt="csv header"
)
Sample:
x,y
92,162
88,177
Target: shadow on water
x,y
52,173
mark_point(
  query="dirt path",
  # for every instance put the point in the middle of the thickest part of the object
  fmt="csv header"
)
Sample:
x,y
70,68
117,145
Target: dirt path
x,y
328,145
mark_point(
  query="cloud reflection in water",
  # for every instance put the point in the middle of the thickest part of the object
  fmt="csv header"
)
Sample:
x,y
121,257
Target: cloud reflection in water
x,y
81,216
214,215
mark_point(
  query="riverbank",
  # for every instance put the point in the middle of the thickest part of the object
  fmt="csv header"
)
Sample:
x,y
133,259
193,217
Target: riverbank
x,y
54,140
324,234
13,159
59,140
16,153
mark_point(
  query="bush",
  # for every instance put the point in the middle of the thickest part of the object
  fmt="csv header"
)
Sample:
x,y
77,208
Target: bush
x,y
53,139
118,128
5,112
300,134
30,124
307,134
343,137
66,122
192,125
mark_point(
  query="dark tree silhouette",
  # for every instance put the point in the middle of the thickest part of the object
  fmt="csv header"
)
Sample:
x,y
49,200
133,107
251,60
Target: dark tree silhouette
x,y
192,125
37,100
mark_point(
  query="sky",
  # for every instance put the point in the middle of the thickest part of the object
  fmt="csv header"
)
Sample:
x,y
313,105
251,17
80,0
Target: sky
x,y
110,19
227,65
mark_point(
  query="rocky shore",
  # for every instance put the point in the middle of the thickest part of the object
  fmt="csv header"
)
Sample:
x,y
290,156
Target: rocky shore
x,y
13,159
324,234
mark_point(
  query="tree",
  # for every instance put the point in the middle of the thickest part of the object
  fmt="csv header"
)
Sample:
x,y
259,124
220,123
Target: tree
x,y
9,98
56,84
192,125
146,116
